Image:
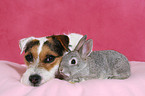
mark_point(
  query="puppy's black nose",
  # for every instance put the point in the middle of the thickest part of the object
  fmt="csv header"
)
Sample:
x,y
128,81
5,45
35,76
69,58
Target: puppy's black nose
x,y
35,79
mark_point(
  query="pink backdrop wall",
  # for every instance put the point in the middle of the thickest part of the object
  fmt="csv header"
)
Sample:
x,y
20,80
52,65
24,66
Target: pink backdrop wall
x,y
112,24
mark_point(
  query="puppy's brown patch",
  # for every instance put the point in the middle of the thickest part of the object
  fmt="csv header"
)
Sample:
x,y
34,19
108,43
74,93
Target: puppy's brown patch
x,y
31,44
58,43
45,52
33,51
55,46
64,40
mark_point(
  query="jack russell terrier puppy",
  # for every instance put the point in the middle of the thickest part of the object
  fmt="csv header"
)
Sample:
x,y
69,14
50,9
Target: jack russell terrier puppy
x,y
43,56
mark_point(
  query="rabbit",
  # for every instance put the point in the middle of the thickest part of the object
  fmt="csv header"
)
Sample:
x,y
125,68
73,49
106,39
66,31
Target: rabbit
x,y
82,64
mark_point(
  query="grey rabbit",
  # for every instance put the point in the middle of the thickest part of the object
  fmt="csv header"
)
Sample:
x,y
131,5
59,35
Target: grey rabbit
x,y
83,64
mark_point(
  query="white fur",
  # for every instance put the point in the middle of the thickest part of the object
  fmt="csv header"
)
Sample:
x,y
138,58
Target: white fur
x,y
74,39
45,75
34,69
41,41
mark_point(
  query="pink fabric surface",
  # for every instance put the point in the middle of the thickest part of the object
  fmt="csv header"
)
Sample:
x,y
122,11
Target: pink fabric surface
x,y
11,86
112,24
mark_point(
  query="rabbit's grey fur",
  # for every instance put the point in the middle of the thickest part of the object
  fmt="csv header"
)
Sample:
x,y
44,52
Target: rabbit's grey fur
x,y
108,64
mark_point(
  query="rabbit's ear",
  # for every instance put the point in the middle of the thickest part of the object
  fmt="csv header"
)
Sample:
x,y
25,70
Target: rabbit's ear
x,y
81,42
86,49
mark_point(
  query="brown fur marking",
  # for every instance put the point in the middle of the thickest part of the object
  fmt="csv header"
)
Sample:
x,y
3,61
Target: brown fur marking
x,y
31,44
34,52
46,51
33,48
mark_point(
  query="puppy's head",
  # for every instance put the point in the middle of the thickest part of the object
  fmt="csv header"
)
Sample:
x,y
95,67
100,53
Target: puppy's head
x,y
42,57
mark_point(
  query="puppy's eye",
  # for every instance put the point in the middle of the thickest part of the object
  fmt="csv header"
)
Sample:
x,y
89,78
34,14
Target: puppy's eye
x,y
49,59
29,58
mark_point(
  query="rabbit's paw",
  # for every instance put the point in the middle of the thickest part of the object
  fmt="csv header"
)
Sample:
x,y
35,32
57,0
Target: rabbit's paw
x,y
75,80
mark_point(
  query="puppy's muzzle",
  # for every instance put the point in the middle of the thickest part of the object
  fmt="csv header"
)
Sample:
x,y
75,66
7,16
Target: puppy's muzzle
x,y
35,79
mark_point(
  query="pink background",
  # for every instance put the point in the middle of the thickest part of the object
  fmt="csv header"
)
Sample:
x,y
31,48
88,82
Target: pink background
x,y
112,24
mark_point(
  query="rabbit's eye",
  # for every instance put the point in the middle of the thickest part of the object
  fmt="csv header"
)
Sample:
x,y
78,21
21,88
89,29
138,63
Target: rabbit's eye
x,y
73,61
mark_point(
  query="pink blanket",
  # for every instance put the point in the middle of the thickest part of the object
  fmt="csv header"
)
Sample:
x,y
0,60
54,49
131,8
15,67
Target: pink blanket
x,y
11,86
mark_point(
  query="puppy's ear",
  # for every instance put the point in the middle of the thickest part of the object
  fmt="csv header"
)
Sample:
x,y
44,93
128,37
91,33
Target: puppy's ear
x,y
64,40
23,42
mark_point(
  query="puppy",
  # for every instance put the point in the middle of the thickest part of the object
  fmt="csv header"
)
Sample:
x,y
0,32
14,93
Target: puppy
x,y
43,56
